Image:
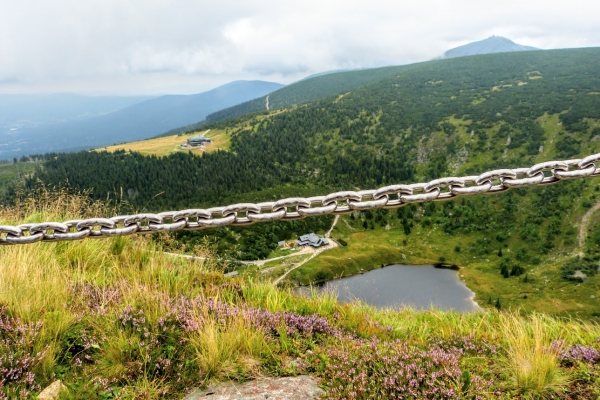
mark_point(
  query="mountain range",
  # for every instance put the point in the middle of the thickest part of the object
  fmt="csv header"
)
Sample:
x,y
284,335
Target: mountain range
x,y
63,122
341,82
133,122
30,110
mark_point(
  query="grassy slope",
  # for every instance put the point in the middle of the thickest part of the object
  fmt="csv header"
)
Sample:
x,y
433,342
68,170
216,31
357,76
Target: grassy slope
x,y
116,318
163,146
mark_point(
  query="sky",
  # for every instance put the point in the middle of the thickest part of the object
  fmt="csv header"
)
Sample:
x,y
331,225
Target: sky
x,y
149,47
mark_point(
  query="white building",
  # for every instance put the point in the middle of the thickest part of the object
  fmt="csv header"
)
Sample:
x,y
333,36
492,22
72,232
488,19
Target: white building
x,y
312,240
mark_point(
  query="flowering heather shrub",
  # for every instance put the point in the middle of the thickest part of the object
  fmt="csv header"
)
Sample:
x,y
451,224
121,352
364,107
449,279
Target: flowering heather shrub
x,y
17,360
577,353
269,322
294,324
158,350
361,369
95,299
79,343
465,345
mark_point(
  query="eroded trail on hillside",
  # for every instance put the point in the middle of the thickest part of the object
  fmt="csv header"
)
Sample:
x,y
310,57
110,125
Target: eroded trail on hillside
x,y
583,227
335,221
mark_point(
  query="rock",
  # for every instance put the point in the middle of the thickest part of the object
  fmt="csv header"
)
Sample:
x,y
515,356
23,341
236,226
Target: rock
x,y
403,256
297,365
579,274
52,391
291,388
592,297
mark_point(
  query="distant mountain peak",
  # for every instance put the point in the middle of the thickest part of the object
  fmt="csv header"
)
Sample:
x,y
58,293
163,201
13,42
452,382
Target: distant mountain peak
x,y
493,44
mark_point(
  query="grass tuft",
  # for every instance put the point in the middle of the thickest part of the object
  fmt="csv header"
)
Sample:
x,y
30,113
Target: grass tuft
x,y
532,359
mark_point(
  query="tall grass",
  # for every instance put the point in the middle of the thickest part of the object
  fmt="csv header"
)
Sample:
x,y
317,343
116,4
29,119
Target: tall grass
x,y
117,317
264,294
532,355
228,350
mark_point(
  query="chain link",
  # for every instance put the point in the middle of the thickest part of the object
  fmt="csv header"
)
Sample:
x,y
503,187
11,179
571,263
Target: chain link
x,y
393,196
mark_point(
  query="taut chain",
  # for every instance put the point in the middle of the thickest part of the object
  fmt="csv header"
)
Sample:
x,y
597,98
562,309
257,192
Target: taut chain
x,y
394,196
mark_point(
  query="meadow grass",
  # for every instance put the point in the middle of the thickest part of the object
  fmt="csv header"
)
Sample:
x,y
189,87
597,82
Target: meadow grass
x,y
117,318
163,146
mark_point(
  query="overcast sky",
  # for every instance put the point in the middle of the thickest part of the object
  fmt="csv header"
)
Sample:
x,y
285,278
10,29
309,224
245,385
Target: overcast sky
x,y
188,46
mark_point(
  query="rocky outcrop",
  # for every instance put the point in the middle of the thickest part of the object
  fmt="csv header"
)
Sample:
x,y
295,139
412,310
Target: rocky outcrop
x,y
291,388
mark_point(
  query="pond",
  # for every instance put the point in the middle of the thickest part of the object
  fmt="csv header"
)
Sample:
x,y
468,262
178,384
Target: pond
x,y
418,286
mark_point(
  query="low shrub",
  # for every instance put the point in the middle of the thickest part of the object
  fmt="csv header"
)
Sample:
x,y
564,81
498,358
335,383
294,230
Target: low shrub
x,y
360,369
18,359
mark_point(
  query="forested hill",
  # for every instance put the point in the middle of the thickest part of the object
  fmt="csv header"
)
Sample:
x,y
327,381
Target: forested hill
x,y
309,90
326,84
404,128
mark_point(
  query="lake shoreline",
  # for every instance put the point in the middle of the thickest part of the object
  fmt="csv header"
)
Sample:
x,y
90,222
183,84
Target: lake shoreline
x,y
412,286
437,265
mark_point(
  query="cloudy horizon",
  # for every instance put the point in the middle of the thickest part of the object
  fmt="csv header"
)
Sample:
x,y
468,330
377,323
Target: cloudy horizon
x,y
155,47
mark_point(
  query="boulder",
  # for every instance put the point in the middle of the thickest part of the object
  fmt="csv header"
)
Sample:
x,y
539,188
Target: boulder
x,y
52,391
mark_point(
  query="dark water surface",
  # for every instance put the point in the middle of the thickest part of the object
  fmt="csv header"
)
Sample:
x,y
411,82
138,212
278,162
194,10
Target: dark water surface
x,y
418,286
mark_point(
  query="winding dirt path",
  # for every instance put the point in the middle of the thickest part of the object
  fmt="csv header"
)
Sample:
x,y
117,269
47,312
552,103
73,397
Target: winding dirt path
x,y
332,245
267,102
335,221
583,227
260,263
189,257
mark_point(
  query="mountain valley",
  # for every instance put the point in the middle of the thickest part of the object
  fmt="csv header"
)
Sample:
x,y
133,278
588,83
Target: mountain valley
x,y
459,116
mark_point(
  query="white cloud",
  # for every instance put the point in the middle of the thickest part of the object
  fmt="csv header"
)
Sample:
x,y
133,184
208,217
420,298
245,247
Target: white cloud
x,y
157,46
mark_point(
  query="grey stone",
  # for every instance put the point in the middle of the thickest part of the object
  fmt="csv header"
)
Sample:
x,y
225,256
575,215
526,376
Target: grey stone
x,y
291,388
52,391
579,274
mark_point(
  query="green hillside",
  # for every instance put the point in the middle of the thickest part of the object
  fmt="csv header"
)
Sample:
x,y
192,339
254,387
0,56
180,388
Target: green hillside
x,y
309,90
301,92
11,173
441,118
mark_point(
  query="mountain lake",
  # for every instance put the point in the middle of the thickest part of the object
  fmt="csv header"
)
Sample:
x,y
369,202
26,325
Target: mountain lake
x,y
417,286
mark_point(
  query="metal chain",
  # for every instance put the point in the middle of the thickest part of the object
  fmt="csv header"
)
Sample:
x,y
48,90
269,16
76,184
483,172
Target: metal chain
x,y
394,196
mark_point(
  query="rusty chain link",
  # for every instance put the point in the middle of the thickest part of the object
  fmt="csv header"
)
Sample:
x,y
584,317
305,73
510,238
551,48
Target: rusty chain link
x,y
345,202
